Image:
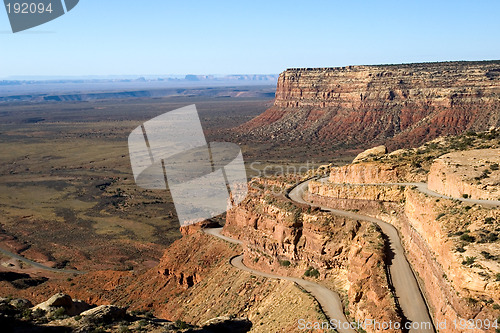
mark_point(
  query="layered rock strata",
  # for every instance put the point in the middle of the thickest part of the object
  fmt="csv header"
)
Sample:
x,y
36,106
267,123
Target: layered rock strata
x,y
344,254
454,289
397,105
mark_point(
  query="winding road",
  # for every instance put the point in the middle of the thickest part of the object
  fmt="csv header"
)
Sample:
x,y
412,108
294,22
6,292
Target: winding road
x,y
405,284
329,300
38,265
422,187
402,277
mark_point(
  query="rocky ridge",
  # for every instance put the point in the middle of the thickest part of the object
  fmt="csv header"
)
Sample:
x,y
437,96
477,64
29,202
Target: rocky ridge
x,y
62,314
193,283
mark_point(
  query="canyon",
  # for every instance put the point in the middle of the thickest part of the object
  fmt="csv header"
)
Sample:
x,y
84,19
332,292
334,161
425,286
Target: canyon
x,y
434,182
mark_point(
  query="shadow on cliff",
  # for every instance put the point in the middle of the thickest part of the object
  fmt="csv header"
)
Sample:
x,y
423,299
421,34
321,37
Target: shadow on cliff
x,y
232,326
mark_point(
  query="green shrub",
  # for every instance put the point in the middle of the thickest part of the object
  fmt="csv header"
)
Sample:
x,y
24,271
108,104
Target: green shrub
x,y
469,261
27,313
440,216
492,237
59,313
123,329
285,263
468,238
181,324
38,313
465,196
494,166
486,255
489,220
472,300
312,272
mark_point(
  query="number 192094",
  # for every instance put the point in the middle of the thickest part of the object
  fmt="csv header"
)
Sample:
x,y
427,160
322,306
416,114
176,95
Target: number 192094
x,y
28,8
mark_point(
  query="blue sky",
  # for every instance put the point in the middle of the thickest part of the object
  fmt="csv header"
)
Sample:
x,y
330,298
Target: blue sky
x,y
114,37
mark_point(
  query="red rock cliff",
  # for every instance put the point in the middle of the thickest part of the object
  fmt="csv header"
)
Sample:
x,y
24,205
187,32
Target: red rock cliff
x,y
393,104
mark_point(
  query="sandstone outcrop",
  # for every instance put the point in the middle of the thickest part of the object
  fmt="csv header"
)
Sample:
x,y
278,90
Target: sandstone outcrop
x,y
432,232
371,153
396,105
366,173
392,193
344,254
474,174
71,307
105,318
104,314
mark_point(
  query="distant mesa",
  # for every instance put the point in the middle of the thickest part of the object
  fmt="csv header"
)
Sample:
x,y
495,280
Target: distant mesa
x,y
393,105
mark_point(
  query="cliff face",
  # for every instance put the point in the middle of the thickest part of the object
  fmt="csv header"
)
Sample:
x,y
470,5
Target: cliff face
x,y
430,230
392,104
472,173
365,173
347,255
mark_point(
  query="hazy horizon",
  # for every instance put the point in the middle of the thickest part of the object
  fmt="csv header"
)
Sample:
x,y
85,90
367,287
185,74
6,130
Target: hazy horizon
x,y
145,38
183,76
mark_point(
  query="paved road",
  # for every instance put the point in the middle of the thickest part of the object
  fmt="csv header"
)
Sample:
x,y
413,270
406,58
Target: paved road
x,y
422,187
402,277
329,300
38,265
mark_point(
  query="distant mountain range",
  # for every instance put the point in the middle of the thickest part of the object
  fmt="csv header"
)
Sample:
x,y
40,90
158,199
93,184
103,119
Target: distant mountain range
x,y
23,80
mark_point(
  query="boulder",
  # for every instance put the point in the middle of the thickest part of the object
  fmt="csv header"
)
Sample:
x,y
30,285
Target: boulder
x,y
56,301
21,303
372,152
398,152
60,300
104,314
